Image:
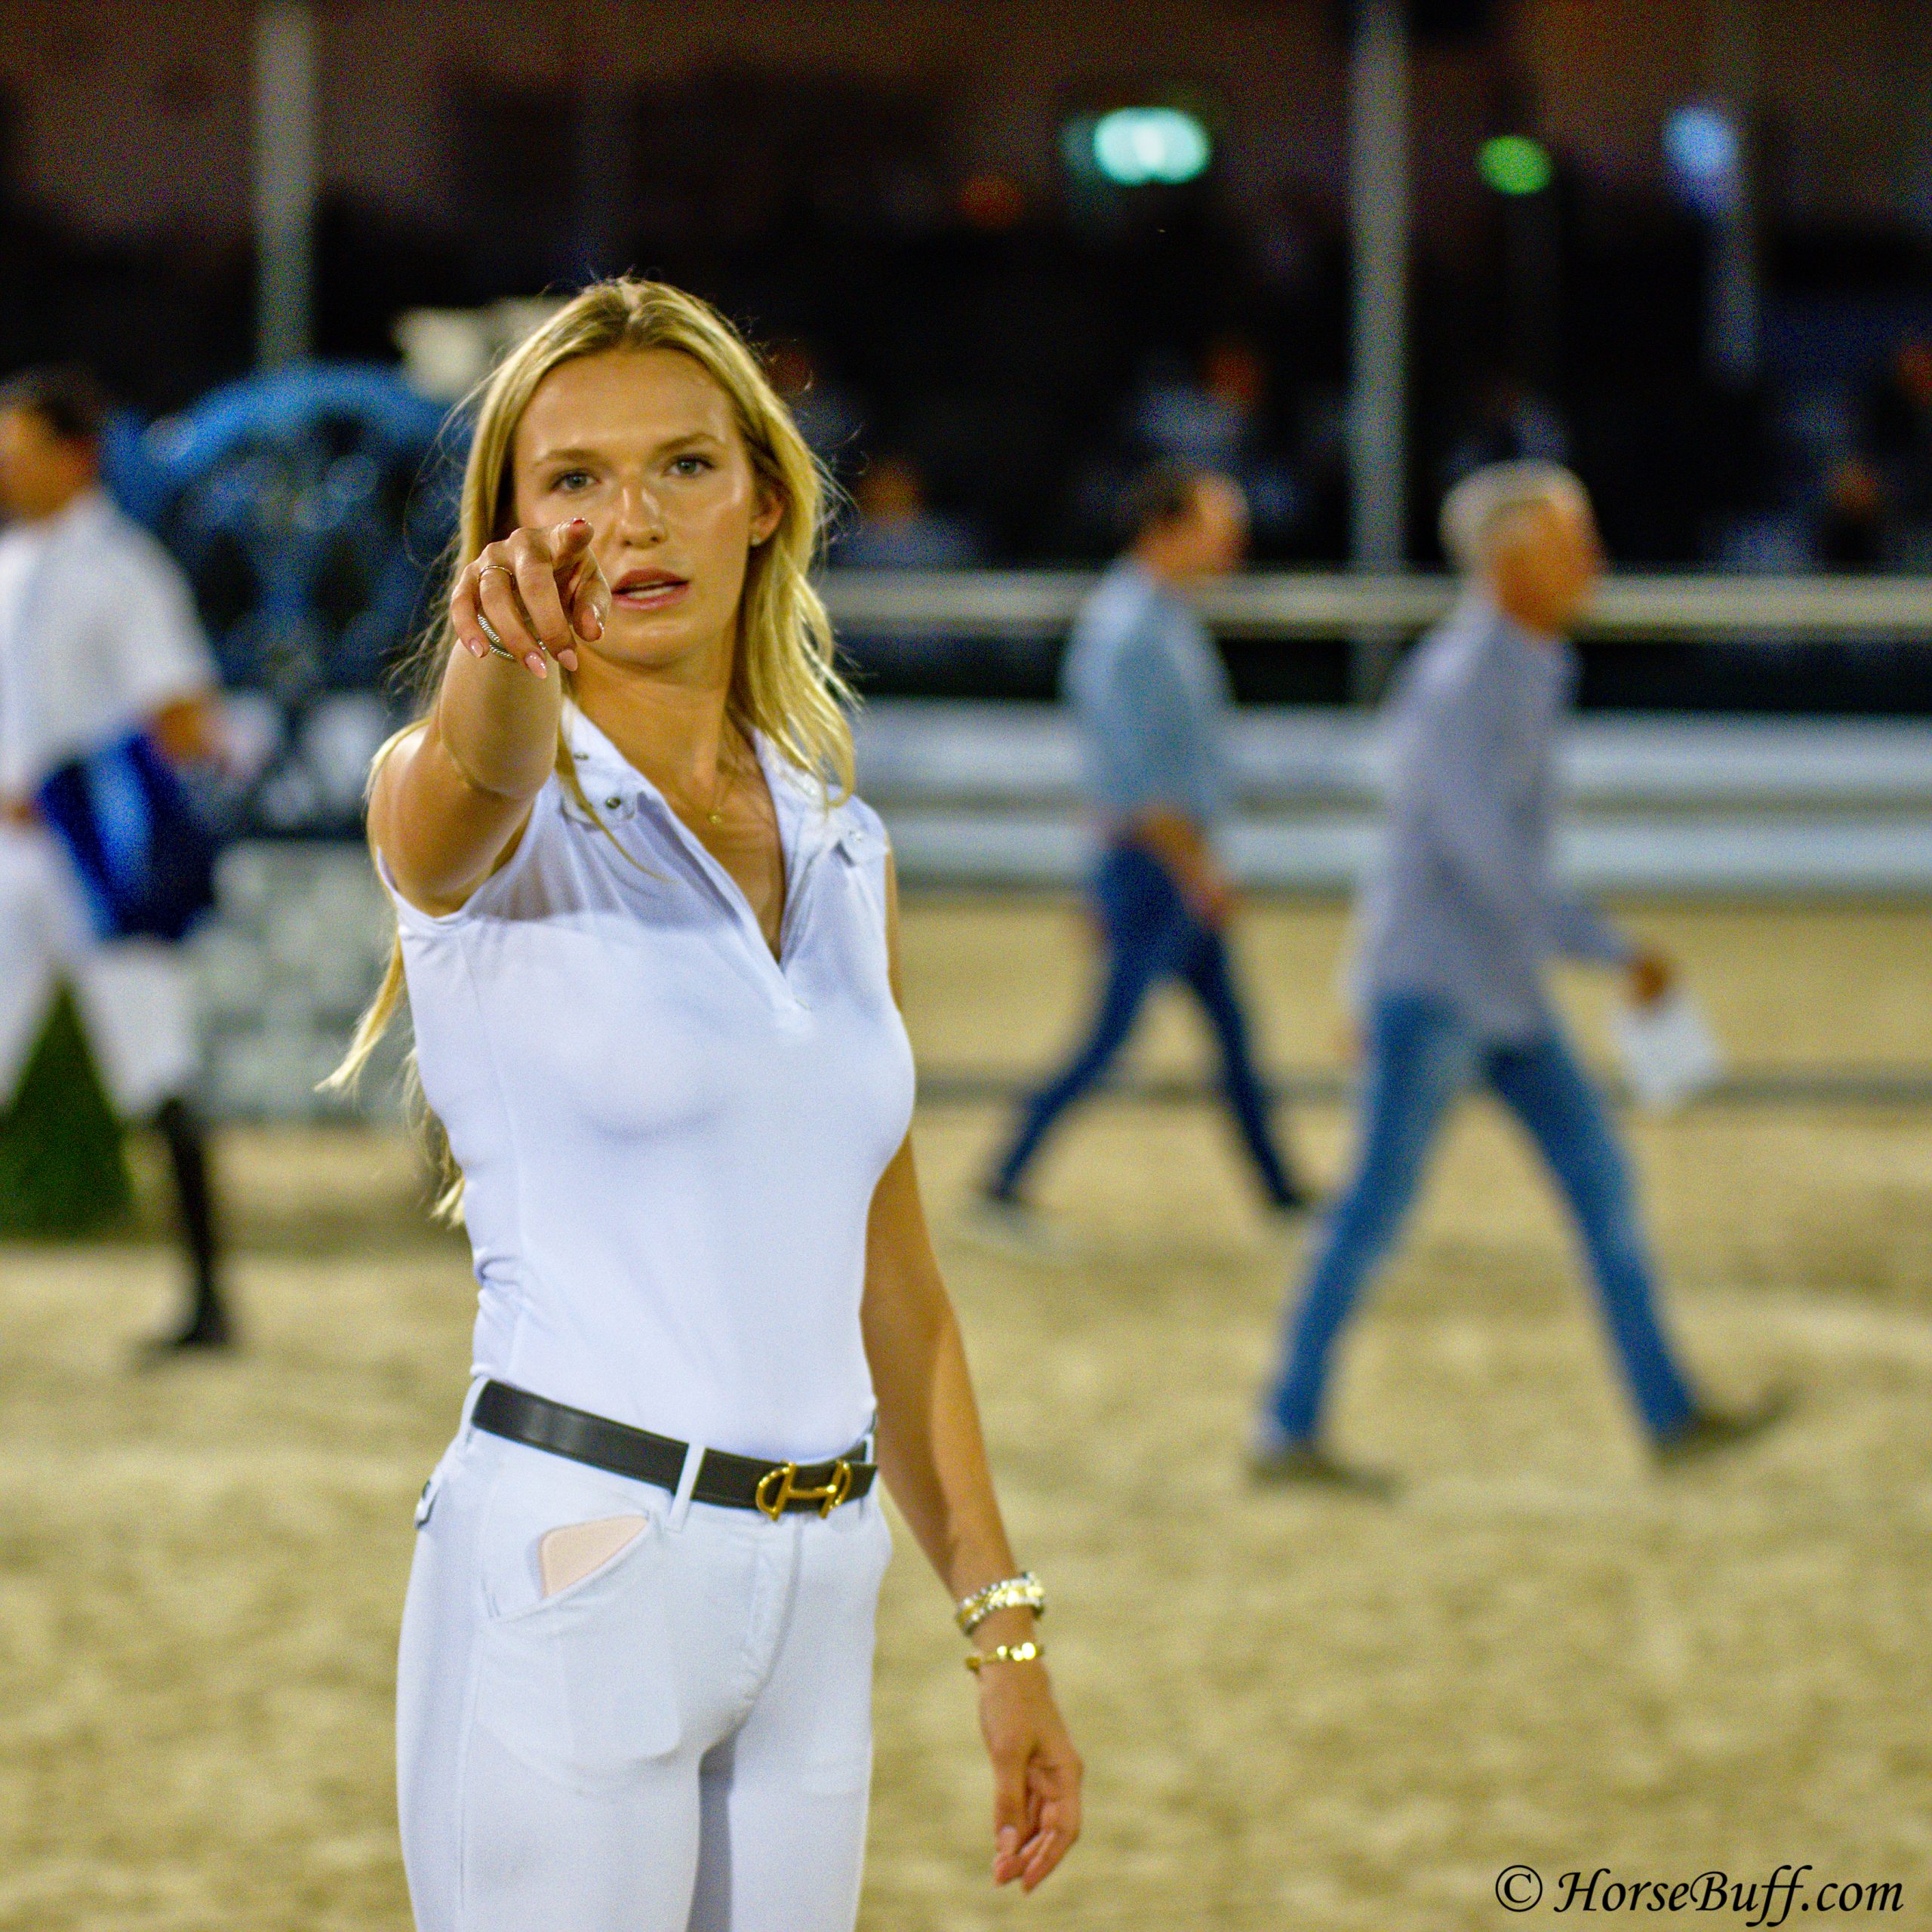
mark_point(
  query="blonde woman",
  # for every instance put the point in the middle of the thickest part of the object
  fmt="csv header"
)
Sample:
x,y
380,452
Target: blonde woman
x,y
649,941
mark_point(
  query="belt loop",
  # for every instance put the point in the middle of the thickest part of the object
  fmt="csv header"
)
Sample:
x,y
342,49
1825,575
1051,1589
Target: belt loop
x,y
680,1501
471,1396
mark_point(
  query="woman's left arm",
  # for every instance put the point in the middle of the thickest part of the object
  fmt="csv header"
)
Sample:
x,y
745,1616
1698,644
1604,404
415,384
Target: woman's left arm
x,y
934,1459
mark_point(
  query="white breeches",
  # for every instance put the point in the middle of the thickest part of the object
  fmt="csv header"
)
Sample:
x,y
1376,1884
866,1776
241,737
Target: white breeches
x,y
135,997
678,1741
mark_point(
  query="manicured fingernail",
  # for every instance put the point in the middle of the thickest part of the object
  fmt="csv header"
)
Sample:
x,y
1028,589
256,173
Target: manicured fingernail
x,y
535,661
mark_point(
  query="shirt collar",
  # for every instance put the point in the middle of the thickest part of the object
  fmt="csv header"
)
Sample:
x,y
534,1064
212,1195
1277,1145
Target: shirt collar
x,y
90,506
804,823
1480,611
1129,569
1477,606
598,761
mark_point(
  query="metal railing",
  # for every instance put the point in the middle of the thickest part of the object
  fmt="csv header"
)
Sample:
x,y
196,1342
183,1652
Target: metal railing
x,y
1292,604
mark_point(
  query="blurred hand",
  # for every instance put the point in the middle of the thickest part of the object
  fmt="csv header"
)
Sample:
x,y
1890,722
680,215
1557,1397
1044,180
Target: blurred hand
x,y
1213,894
1651,976
192,731
1036,1773
540,591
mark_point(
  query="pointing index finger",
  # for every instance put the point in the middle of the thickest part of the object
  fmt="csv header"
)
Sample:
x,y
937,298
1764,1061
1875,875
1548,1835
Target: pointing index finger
x,y
587,597
568,541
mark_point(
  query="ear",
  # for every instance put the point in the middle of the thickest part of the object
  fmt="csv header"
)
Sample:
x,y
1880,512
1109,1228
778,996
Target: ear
x,y
769,513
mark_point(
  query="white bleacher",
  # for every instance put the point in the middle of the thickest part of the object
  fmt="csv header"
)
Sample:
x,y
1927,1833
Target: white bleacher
x,y
987,793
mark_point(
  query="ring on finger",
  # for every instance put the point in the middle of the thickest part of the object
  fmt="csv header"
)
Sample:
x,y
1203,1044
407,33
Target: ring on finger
x,y
495,642
490,638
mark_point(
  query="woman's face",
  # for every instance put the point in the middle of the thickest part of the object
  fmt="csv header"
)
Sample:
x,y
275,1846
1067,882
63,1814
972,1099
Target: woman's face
x,y
645,446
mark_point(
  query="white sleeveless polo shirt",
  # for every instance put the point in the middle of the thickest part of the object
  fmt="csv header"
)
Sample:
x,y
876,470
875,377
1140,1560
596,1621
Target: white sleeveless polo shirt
x,y
669,1139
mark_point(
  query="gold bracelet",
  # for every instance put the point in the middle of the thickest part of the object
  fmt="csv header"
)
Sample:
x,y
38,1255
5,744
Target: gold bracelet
x,y
1027,1653
1024,1591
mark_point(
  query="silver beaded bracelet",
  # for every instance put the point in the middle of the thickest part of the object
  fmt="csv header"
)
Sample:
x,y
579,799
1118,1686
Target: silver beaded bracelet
x,y
1024,1591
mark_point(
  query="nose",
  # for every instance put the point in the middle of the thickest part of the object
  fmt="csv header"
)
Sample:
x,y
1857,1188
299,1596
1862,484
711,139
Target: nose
x,y
640,516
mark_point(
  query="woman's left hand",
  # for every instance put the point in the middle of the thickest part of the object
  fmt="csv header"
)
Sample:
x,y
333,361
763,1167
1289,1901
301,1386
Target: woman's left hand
x,y
1651,976
1036,1773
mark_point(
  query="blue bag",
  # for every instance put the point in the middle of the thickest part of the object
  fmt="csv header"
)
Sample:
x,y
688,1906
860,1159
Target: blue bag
x,y
143,853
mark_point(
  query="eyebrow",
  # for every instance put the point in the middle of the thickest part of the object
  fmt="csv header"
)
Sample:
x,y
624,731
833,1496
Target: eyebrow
x,y
576,453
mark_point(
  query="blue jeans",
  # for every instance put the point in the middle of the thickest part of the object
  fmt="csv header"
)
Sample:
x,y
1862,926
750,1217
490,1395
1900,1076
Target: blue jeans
x,y
1422,1055
1151,934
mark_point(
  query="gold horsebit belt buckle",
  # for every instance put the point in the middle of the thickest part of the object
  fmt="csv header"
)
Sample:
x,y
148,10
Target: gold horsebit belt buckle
x,y
778,1487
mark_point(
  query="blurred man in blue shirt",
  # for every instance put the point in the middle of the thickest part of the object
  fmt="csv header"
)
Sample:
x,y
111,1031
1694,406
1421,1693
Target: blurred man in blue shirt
x,y
1150,695
1459,924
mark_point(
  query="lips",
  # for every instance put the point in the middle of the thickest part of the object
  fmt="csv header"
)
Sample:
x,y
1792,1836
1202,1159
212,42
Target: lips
x,y
649,590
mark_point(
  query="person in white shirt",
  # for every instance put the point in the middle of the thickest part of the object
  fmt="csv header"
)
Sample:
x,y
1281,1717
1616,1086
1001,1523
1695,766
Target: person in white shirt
x,y
649,945
98,642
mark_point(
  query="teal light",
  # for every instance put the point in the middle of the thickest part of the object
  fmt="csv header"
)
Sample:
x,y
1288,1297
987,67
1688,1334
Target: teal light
x,y
1135,146
1515,164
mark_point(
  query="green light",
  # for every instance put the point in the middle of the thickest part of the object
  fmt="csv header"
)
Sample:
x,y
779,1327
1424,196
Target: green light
x,y
1515,164
1134,145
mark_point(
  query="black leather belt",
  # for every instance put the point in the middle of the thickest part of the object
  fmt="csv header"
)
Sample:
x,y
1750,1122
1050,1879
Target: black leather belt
x,y
737,1482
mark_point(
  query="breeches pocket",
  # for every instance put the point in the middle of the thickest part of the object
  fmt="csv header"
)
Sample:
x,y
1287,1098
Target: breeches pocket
x,y
833,1639
576,1676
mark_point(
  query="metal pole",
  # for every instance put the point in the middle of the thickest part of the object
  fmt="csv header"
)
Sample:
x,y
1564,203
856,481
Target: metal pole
x,y
285,180
1733,325
1533,262
604,171
1379,208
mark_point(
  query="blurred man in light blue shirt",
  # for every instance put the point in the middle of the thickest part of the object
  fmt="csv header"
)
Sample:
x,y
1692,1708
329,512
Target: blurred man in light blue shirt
x,y
1150,695
1459,925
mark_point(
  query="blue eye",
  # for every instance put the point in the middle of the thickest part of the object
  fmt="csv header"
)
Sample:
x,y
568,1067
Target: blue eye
x,y
690,466
571,479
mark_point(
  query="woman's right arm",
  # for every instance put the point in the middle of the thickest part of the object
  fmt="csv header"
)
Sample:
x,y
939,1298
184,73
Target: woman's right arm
x,y
450,802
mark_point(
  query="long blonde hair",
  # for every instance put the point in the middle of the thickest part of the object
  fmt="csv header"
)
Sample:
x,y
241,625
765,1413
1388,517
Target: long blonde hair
x,y
784,683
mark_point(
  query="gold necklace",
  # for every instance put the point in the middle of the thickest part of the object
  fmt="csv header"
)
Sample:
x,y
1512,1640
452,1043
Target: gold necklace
x,y
714,813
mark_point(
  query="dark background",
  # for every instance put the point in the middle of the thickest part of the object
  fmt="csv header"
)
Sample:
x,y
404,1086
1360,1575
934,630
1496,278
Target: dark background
x,y
881,195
